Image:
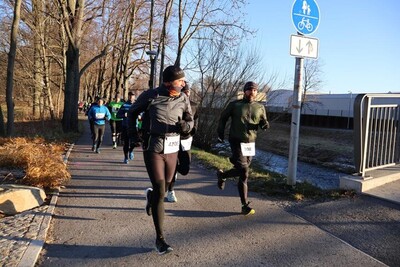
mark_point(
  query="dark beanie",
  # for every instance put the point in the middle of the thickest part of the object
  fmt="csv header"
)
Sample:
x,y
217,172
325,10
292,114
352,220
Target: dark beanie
x,y
250,86
172,73
185,88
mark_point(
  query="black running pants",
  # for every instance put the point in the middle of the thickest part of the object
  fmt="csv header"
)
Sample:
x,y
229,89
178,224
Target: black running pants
x,y
161,170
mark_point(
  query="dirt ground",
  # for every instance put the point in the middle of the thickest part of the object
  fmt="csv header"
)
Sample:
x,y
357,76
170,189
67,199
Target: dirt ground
x,y
331,148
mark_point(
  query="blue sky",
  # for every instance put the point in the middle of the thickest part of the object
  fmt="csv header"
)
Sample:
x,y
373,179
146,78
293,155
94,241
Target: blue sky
x,y
359,42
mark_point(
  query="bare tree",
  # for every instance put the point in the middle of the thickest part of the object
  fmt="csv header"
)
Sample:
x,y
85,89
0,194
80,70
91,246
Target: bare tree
x,y
37,9
163,35
10,68
131,45
57,41
223,71
74,16
213,15
312,81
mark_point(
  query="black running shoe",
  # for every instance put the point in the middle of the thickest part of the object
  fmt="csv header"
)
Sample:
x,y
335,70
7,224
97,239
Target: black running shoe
x,y
221,181
148,193
162,247
246,210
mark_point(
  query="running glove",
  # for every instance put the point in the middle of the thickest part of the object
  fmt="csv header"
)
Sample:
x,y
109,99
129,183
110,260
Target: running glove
x,y
183,126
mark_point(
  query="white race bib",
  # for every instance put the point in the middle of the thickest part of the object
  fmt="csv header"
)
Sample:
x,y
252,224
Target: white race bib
x,y
100,116
248,149
171,144
186,144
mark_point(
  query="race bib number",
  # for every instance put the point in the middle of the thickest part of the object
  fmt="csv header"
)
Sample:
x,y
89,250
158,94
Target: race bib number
x,y
186,144
248,149
100,116
171,144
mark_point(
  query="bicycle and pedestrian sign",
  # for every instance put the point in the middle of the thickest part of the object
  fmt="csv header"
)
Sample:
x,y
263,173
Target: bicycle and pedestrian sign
x,y
305,16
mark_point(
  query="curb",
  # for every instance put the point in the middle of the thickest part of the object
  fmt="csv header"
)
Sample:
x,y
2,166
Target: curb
x,y
35,246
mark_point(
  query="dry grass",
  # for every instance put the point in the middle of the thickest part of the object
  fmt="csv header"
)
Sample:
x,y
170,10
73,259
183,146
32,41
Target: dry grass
x,y
332,148
41,162
34,156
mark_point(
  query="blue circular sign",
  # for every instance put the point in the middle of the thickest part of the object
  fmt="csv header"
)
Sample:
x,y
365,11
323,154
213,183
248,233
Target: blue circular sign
x,y
305,16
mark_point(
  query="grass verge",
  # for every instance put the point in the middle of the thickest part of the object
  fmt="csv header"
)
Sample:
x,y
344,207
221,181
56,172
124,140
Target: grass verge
x,y
272,184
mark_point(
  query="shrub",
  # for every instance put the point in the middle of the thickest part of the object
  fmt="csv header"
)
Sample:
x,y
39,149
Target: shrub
x,y
41,161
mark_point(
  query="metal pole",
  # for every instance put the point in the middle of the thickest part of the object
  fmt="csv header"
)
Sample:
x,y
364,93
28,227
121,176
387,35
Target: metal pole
x,y
151,80
348,117
155,70
295,125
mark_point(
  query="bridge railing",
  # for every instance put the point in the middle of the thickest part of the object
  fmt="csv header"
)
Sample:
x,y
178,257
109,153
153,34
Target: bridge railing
x,y
376,131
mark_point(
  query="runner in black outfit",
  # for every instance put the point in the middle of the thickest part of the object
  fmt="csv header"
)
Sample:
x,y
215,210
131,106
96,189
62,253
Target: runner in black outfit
x,y
167,114
123,113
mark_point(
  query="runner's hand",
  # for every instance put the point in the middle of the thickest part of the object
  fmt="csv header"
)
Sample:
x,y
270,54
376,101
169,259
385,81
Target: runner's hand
x,y
183,126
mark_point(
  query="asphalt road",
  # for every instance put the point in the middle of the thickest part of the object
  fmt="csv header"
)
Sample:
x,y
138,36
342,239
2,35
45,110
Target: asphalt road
x,y
100,221
367,223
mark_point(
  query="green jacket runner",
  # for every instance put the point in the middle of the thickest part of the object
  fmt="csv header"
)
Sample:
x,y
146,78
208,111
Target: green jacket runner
x,y
247,117
114,107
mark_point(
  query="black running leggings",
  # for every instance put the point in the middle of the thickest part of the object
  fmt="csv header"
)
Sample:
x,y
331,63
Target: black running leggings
x,y
183,167
161,169
98,134
241,168
116,128
127,142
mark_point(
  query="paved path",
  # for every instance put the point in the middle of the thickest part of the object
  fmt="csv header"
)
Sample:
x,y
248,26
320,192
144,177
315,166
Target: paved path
x,y
100,221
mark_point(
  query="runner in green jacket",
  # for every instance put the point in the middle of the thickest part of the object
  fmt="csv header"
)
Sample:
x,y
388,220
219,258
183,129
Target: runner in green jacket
x,y
115,123
247,116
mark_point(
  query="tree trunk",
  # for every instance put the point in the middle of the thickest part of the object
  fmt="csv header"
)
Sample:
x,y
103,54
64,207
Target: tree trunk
x,y
163,37
70,115
46,79
10,69
37,90
63,42
2,126
73,13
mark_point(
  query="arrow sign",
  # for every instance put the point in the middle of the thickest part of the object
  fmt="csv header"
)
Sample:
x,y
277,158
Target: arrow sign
x,y
301,46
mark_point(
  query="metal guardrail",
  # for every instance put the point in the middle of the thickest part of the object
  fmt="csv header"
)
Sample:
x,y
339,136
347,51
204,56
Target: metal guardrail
x,y
376,131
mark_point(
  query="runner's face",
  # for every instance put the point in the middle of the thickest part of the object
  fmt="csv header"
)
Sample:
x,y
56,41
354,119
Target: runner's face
x,y
178,84
251,94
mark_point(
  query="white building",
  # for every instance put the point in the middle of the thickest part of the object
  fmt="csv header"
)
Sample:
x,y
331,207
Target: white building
x,y
340,105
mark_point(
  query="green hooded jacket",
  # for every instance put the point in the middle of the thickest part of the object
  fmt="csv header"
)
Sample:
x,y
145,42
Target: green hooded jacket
x,y
246,118
114,107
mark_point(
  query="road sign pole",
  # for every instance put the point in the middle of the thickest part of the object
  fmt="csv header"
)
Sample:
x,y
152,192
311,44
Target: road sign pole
x,y
295,125
305,18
